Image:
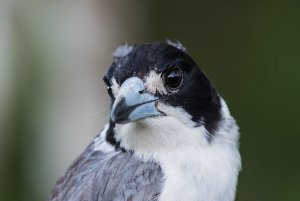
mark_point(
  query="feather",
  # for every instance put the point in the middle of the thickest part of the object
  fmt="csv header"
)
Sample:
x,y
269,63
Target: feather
x,y
116,175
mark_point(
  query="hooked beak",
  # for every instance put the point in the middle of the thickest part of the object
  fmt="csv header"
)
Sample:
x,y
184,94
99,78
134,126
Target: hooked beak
x,y
132,103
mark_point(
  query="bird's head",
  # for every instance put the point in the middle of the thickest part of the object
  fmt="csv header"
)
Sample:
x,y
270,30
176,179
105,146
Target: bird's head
x,y
160,98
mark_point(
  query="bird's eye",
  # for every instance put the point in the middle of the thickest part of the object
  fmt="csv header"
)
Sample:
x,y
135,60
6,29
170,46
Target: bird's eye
x,y
173,79
109,91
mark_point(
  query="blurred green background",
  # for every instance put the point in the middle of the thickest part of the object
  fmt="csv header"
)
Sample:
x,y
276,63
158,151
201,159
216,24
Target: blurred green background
x,y
52,100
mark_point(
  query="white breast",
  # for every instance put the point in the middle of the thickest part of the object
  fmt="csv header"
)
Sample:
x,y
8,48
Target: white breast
x,y
194,168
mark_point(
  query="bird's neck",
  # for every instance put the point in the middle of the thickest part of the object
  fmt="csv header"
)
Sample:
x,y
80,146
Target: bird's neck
x,y
195,169
204,175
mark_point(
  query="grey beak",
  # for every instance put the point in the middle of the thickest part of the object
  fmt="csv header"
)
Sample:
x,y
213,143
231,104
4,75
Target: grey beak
x,y
132,103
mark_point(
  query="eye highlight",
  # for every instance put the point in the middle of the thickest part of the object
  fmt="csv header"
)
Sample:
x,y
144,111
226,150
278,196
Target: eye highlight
x,y
173,78
109,89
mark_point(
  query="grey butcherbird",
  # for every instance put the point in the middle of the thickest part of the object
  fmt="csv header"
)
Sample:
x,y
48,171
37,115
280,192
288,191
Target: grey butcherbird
x,y
170,136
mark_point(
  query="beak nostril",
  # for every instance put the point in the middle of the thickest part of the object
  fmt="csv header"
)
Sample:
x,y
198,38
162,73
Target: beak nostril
x,y
142,91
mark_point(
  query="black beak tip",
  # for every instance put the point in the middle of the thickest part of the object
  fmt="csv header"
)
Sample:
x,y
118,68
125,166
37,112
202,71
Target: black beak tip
x,y
120,114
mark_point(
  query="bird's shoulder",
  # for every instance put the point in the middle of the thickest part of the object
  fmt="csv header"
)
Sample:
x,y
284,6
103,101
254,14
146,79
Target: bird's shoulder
x,y
103,174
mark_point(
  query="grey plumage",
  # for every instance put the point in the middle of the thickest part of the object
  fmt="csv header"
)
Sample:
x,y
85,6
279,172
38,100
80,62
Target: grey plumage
x,y
117,176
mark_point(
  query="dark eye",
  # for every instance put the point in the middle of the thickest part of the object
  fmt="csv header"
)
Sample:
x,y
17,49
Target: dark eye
x,y
109,91
173,78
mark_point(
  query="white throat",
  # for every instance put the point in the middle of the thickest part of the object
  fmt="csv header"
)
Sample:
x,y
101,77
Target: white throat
x,y
207,174
194,168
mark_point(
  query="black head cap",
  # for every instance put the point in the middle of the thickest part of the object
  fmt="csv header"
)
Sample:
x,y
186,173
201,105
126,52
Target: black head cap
x,y
196,95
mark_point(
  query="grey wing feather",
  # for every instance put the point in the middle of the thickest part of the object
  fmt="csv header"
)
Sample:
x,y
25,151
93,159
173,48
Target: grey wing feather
x,y
113,176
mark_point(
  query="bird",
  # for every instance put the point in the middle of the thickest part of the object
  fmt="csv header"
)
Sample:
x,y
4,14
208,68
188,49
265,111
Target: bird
x,y
169,137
